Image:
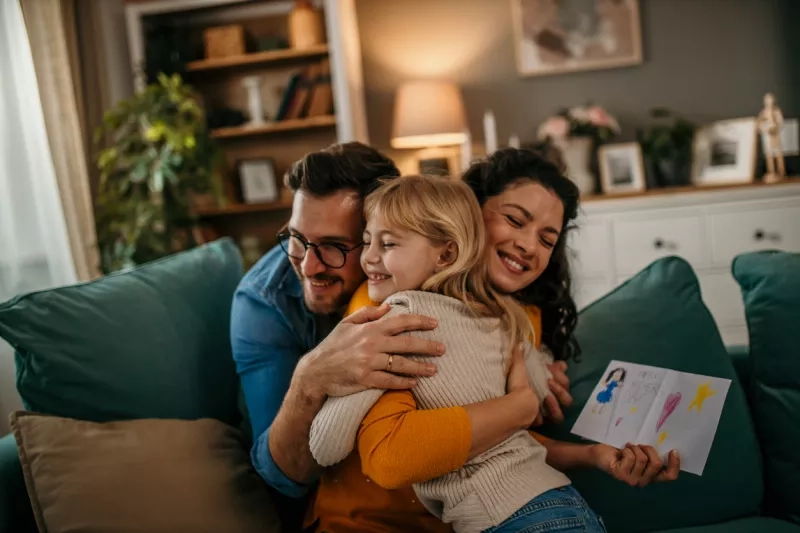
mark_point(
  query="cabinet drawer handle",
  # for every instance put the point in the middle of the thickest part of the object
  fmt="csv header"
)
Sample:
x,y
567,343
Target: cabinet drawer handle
x,y
761,235
661,244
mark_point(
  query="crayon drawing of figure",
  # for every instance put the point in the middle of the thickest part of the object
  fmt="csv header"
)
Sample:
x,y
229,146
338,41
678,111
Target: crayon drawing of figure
x,y
613,380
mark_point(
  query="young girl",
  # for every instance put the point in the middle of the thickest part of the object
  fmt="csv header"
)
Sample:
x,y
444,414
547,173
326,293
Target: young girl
x,y
423,253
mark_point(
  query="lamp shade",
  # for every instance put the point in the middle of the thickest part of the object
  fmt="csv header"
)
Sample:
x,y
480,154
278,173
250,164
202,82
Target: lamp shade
x,y
427,114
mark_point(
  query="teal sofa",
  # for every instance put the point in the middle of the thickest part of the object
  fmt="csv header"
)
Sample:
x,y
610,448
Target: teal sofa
x,y
153,343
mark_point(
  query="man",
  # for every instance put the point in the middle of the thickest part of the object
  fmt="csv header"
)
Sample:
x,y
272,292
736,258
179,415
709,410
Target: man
x,y
293,350
293,298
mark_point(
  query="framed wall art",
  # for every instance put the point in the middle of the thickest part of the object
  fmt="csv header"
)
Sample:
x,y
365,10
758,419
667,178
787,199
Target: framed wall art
x,y
561,36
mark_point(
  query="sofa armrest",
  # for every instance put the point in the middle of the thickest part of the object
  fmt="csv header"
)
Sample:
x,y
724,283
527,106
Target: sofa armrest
x,y
16,514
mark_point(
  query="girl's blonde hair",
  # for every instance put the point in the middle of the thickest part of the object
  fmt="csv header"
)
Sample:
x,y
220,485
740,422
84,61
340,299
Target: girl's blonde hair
x,y
445,210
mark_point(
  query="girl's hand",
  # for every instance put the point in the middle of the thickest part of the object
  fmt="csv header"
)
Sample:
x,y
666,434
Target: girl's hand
x,y
636,465
518,386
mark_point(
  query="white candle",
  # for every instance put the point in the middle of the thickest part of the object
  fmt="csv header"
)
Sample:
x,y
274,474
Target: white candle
x,y
253,86
489,132
466,151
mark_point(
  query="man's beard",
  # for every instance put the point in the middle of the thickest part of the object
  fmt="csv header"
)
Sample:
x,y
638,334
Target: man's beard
x,y
329,304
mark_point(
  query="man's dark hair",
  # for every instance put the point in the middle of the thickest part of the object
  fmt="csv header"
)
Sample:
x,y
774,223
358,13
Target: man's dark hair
x,y
348,166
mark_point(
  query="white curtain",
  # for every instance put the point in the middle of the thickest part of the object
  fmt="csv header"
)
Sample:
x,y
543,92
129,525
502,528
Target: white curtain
x,y
34,246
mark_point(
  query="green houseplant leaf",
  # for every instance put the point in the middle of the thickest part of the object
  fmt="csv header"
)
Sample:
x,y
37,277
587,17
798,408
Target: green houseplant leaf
x,y
161,154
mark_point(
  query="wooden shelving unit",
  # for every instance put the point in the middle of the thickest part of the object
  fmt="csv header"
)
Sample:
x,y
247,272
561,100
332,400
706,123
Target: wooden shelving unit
x,y
299,124
258,58
338,113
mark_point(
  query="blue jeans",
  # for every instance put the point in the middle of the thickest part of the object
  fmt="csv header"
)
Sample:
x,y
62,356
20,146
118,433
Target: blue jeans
x,y
560,509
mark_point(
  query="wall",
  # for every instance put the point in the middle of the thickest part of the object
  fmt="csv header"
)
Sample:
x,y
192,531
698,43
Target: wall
x,y
707,59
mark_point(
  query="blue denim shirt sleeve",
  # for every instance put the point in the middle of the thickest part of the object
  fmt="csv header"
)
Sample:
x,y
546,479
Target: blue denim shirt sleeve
x,y
266,353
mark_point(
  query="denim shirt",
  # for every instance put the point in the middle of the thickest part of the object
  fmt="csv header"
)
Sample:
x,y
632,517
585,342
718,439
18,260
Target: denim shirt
x,y
271,329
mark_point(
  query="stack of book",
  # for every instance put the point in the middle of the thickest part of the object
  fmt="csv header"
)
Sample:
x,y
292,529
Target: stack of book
x,y
308,94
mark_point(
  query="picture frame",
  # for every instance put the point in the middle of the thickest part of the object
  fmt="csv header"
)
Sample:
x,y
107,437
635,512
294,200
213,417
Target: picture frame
x,y
725,152
621,168
258,180
552,37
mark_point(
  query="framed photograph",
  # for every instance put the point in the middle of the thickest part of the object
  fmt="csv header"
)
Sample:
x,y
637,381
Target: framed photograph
x,y
621,168
556,37
259,184
725,152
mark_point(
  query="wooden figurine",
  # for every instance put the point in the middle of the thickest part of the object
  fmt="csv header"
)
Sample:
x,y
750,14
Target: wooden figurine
x,y
770,122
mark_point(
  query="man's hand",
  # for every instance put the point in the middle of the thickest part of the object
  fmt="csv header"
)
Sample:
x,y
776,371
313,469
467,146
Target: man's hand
x,y
636,465
364,351
559,386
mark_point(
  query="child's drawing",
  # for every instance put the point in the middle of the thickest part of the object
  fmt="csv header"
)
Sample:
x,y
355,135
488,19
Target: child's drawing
x,y
613,380
704,391
648,405
669,405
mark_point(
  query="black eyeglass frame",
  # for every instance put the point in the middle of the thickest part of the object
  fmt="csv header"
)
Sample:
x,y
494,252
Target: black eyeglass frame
x,y
284,236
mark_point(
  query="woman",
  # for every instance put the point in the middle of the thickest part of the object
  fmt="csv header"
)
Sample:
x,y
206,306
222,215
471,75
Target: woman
x,y
528,206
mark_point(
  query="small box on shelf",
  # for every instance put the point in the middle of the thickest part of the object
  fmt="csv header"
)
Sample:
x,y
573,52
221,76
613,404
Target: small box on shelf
x,y
224,41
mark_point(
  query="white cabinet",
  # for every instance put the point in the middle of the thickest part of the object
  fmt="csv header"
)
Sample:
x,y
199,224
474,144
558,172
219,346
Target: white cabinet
x,y
640,240
616,238
754,226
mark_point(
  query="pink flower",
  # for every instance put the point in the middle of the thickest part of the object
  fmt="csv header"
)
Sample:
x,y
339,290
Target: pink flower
x,y
555,128
599,117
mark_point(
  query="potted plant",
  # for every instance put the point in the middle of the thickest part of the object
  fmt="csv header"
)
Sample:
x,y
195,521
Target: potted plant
x,y
667,148
577,132
161,154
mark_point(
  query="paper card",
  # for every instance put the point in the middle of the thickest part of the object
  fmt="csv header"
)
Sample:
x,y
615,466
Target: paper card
x,y
656,406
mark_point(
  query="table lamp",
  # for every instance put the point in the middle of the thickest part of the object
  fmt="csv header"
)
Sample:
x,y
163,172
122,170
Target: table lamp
x,y
429,114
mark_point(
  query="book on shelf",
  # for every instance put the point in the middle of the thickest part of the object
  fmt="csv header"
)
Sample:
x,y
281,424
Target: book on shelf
x,y
308,93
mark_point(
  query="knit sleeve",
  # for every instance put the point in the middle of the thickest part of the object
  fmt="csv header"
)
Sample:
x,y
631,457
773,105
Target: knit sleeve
x,y
536,358
536,362
333,431
400,444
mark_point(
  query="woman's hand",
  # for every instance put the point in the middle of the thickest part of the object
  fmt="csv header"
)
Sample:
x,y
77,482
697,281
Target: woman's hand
x,y
519,387
636,465
559,386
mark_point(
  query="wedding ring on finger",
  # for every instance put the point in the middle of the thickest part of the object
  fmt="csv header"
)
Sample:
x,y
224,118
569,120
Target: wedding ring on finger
x,y
389,363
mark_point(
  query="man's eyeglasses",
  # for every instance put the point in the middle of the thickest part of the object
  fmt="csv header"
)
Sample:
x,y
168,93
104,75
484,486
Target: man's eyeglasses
x,y
329,254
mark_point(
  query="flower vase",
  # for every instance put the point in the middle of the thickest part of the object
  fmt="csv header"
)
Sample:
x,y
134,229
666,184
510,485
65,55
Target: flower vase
x,y
577,154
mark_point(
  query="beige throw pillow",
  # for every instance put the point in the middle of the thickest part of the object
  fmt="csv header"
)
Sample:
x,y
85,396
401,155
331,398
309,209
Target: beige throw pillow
x,y
140,476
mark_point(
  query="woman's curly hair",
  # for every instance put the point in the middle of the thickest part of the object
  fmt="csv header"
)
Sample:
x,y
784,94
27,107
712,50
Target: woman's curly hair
x,y
552,291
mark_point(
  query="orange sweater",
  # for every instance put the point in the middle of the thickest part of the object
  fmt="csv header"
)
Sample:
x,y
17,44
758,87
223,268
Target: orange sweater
x,y
430,443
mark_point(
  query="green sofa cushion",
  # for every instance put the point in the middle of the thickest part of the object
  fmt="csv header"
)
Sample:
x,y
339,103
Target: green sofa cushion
x,y
740,357
770,283
744,525
151,342
16,514
658,318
